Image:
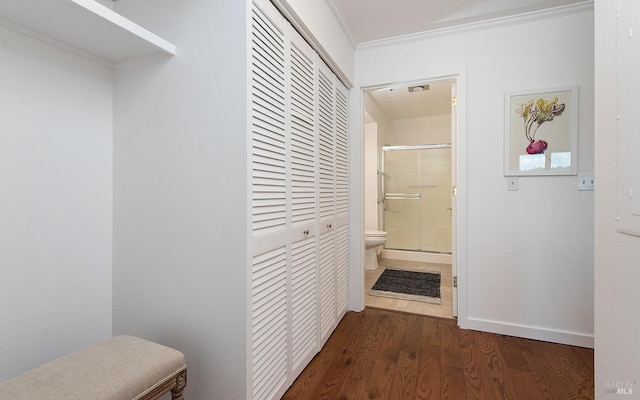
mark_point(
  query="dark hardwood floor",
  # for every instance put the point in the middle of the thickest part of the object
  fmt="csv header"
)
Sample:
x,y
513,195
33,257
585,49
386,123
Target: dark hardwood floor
x,y
379,354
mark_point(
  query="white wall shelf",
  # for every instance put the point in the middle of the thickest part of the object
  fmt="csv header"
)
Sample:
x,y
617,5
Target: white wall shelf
x,y
83,25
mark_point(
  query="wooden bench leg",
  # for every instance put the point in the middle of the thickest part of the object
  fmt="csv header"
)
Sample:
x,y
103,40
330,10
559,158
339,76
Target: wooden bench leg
x,y
181,382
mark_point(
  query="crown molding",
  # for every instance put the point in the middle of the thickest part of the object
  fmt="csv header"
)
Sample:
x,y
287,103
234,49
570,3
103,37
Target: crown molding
x,y
337,12
533,16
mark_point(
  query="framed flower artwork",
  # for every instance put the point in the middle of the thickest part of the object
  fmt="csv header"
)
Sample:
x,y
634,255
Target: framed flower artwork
x,y
541,132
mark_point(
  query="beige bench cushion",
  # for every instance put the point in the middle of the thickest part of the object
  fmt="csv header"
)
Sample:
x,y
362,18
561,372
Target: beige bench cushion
x,y
121,368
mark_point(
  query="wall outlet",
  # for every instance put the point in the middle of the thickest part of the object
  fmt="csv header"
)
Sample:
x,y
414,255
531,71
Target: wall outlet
x,y
586,182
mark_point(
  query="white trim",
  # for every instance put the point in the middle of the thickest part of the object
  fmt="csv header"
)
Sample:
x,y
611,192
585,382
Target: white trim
x,y
127,25
357,171
56,43
85,28
533,16
532,332
356,201
460,245
249,205
438,258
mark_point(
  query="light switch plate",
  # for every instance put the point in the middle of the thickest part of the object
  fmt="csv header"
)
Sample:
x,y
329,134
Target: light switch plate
x,y
512,183
586,182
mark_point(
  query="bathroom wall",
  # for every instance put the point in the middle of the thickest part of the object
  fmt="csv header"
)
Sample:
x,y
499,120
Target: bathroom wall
x,y
515,280
415,131
382,126
55,202
371,176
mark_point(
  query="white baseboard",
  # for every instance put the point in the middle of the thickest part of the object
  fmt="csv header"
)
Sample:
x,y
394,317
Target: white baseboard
x,y
438,258
531,332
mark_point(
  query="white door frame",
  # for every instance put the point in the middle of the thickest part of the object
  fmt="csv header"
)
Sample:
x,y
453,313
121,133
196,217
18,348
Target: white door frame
x,y
459,250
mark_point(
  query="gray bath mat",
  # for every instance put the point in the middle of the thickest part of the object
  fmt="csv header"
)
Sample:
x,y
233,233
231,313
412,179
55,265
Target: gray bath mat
x,y
408,285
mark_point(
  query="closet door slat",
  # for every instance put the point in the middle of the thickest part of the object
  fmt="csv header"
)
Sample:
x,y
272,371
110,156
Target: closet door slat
x,y
269,285
325,147
268,126
303,272
269,323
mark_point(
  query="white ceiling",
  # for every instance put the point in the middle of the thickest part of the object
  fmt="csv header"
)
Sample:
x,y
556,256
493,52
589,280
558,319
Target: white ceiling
x,y
371,20
400,103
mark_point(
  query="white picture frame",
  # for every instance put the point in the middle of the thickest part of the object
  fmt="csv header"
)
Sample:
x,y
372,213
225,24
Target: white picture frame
x,y
541,132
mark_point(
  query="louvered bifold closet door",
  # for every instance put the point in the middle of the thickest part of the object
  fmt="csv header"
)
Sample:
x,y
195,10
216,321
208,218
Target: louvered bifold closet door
x,y
303,298
342,200
269,191
326,201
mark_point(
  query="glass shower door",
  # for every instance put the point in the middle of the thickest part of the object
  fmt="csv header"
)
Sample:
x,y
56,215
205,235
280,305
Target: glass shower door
x,y
417,194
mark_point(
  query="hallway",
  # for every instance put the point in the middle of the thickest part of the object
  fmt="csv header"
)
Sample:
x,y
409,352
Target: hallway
x,y
378,354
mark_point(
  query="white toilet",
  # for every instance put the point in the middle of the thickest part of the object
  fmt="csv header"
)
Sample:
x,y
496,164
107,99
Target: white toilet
x,y
372,239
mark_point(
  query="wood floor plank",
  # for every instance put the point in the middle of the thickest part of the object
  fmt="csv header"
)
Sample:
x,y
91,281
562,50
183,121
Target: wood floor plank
x,y
512,353
380,382
349,345
306,385
368,352
545,376
431,331
573,381
452,384
429,368
584,357
353,389
476,378
450,344
525,385
495,366
349,322
405,377
313,377
388,355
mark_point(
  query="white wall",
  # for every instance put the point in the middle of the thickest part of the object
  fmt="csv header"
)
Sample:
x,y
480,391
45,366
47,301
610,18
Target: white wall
x,y
533,274
55,202
617,255
181,184
371,176
383,126
180,191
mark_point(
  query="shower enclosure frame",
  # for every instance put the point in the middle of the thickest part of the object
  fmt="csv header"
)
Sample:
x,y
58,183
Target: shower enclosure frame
x,y
407,195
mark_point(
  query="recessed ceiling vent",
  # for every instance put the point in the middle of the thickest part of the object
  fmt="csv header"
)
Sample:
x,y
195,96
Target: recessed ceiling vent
x,y
419,88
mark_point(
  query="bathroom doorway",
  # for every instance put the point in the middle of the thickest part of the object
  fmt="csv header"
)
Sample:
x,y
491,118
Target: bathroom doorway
x,y
410,175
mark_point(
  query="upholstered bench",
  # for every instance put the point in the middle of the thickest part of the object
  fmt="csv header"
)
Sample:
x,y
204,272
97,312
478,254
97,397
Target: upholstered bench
x,y
120,368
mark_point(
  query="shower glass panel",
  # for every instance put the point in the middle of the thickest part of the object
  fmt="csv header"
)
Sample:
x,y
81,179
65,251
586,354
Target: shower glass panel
x,y
417,197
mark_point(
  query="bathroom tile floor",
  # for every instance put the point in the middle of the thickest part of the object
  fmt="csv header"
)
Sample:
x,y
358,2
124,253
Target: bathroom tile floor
x,y
444,310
